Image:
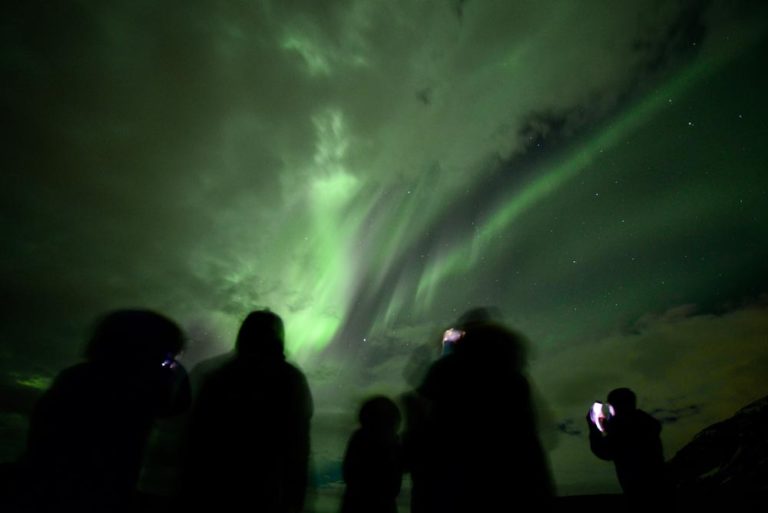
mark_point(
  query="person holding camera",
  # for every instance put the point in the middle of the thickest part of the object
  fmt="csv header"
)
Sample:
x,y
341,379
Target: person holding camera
x,y
631,439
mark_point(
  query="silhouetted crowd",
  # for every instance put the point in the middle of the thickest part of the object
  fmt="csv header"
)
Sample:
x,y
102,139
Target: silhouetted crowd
x,y
469,438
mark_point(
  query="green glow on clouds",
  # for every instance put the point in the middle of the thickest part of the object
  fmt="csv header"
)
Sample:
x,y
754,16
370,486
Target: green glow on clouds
x,y
316,62
463,258
326,273
35,382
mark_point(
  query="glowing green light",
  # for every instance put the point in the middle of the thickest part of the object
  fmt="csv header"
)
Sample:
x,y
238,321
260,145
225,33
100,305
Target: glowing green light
x,y
463,257
35,382
326,266
311,54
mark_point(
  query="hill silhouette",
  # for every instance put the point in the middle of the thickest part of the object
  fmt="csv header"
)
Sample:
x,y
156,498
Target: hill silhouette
x,y
727,462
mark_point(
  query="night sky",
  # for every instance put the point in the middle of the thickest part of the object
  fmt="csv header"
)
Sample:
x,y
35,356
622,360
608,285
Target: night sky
x,y
370,170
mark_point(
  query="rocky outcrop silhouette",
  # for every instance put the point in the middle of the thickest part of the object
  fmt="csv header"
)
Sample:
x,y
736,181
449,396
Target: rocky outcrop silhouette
x,y
727,462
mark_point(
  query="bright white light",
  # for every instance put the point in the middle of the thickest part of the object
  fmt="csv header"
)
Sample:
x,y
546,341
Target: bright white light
x,y
597,416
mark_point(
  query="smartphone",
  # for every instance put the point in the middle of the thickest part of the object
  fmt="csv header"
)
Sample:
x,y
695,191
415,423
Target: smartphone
x,y
169,362
597,415
450,338
452,335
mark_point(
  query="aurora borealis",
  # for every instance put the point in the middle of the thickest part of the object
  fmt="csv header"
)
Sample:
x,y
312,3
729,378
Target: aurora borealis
x,y
370,170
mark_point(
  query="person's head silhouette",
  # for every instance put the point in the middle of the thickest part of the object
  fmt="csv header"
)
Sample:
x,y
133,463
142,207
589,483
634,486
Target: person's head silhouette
x,y
380,414
132,337
623,400
478,316
261,335
486,339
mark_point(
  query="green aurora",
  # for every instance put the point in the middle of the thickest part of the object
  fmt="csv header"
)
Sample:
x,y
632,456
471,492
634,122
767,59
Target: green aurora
x,y
370,170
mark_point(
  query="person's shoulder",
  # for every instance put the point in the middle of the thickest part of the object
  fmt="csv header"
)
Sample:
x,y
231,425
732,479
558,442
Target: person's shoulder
x,y
80,368
228,375
295,381
647,419
292,371
445,364
358,436
291,368
207,367
643,415
76,374
437,374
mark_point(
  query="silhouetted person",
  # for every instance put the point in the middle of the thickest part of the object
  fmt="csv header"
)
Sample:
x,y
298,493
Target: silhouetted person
x,y
481,447
248,445
88,431
632,441
373,463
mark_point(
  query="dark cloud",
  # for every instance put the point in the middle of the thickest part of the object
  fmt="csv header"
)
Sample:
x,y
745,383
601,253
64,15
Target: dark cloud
x,y
680,38
568,427
459,6
666,416
548,130
425,95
